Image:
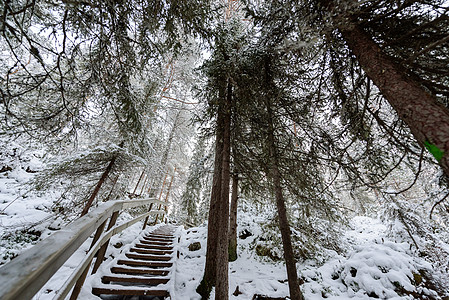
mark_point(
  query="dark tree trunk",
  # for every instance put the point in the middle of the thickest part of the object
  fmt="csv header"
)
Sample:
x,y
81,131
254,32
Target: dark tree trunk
x,y
222,288
112,188
209,277
427,119
274,173
138,182
98,186
233,219
290,262
143,186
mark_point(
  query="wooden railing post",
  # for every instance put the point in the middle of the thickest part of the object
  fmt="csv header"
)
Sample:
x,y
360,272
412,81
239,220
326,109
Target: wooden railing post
x,y
80,281
98,233
101,253
146,219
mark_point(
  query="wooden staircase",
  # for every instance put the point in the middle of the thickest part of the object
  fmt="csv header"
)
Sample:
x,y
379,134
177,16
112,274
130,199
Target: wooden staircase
x,y
143,272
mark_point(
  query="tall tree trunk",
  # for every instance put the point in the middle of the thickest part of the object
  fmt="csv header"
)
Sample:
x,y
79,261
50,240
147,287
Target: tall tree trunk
x,y
290,262
112,188
138,182
427,119
171,136
222,288
233,218
143,185
165,155
98,186
274,173
209,277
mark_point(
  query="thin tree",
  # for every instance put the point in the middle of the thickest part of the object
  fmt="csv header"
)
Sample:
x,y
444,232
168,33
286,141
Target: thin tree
x,y
274,174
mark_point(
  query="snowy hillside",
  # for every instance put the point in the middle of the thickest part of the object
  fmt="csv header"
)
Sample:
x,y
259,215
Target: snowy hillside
x,y
25,216
372,267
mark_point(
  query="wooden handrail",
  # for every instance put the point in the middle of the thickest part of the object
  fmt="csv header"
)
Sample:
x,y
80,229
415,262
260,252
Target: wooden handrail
x,y
24,276
85,263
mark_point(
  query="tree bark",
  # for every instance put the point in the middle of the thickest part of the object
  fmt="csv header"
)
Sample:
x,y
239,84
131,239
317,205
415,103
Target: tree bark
x,y
209,277
427,119
290,262
274,173
233,219
143,186
222,288
138,182
165,155
98,186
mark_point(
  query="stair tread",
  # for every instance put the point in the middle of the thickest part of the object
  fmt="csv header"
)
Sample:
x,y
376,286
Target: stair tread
x,y
159,238
148,257
127,291
135,276
165,243
136,270
135,262
159,247
142,271
136,279
142,248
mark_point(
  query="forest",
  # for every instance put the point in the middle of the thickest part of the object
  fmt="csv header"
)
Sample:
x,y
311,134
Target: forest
x,y
304,139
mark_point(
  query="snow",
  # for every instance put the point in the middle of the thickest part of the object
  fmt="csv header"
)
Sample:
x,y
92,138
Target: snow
x,y
381,265
372,266
21,211
376,262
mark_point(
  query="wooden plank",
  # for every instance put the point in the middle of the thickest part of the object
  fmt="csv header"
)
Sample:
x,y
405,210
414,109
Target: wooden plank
x,y
156,243
131,271
163,236
157,239
148,257
150,264
140,202
139,280
129,292
146,249
149,244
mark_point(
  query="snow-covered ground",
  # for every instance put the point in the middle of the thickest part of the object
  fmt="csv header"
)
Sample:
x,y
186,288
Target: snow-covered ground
x,y
25,216
374,264
372,267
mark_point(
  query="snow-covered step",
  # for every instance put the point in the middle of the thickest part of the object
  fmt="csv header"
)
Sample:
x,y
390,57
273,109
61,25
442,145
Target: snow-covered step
x,y
152,234
129,292
158,243
152,264
147,249
148,257
159,238
140,271
158,247
135,279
